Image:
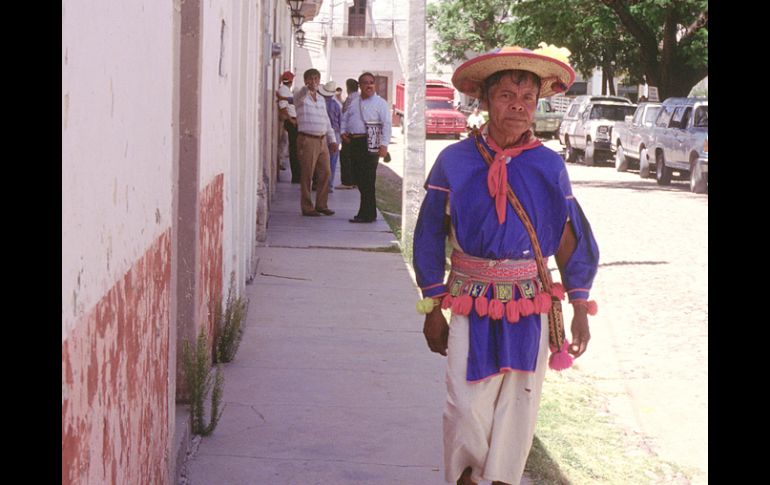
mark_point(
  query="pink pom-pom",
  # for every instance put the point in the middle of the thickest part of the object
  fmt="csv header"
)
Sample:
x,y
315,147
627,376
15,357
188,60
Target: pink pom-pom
x,y
446,302
557,290
496,309
526,307
512,311
482,306
592,308
543,303
562,359
462,305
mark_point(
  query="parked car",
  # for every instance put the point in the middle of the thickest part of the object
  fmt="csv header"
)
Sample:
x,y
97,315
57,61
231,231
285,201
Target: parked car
x,y
591,133
631,136
442,119
680,142
547,119
576,108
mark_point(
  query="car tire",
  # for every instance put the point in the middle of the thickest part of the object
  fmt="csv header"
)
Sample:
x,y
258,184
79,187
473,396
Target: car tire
x,y
698,179
662,172
589,155
571,155
621,162
644,164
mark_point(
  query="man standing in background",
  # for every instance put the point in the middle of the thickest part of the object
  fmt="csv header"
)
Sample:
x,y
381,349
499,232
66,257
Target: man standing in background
x,y
315,140
366,128
334,110
346,168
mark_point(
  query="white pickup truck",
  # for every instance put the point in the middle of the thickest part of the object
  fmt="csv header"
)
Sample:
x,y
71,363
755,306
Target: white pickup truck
x,y
633,135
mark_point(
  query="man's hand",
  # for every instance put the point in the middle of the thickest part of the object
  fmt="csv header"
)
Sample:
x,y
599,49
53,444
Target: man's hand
x,y
332,148
345,138
383,151
580,333
436,331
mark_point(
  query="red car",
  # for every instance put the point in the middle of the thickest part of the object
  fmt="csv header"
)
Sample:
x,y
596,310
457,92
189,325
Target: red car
x,y
440,116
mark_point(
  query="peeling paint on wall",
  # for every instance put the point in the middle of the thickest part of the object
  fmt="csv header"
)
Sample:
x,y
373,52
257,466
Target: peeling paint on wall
x,y
210,241
115,378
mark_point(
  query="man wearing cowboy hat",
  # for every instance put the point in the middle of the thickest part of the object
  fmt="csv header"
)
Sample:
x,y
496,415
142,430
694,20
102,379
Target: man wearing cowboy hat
x,y
334,111
506,205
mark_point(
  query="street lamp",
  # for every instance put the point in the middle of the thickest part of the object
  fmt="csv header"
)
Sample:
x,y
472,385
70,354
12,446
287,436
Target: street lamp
x,y
297,20
295,5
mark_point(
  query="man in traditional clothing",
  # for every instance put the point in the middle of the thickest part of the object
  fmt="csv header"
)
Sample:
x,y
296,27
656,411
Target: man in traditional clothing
x,y
506,311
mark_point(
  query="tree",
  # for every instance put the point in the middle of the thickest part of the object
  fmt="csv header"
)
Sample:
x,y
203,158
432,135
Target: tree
x,y
664,42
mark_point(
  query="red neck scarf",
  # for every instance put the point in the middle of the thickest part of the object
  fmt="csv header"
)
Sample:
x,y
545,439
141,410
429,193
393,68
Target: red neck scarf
x,y
497,179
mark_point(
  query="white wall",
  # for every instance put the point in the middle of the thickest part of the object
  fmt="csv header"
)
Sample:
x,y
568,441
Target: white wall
x,y
116,142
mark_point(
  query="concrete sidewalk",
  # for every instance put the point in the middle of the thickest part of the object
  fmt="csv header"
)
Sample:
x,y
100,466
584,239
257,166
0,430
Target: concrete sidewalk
x,y
333,382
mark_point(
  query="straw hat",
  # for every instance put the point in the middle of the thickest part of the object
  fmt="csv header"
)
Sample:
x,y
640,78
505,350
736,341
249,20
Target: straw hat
x,y
549,62
328,88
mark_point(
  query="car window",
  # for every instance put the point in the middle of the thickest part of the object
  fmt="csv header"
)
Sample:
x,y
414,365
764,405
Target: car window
x,y
649,117
701,117
573,110
637,116
676,119
664,116
608,112
686,117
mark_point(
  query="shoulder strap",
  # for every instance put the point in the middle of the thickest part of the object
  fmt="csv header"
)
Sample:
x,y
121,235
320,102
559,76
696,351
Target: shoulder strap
x,y
556,335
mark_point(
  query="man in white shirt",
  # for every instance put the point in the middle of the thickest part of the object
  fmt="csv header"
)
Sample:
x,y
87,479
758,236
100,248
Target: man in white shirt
x,y
288,116
315,140
366,126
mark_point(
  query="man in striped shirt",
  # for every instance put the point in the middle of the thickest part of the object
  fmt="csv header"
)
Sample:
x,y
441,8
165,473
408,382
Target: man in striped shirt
x,y
315,140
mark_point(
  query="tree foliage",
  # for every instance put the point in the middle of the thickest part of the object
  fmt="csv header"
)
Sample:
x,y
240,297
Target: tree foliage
x,y
662,42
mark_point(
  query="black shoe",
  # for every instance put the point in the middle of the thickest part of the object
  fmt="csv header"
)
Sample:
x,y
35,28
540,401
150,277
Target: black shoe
x,y
364,221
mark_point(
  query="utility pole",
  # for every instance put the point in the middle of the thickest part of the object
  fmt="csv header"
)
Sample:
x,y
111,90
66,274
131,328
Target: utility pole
x,y
414,156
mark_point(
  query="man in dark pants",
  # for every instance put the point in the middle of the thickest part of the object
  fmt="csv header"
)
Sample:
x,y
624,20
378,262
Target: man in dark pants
x,y
289,116
346,168
366,129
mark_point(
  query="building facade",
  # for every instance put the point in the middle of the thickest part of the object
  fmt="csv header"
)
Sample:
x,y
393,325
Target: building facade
x,y
169,163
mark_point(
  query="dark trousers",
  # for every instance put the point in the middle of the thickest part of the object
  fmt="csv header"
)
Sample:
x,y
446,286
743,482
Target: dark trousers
x,y
365,175
346,166
293,158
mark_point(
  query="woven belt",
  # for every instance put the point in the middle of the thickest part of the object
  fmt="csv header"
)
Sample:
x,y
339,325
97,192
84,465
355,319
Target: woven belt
x,y
320,137
491,269
357,135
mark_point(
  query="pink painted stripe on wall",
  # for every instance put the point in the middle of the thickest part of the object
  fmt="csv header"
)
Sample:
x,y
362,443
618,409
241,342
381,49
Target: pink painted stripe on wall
x,y
115,379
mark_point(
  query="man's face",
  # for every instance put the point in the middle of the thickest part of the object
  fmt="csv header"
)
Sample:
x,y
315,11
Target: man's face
x,y
367,86
312,82
512,106
287,83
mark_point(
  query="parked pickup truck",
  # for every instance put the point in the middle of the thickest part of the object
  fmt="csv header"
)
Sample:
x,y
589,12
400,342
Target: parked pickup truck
x,y
680,140
631,136
441,118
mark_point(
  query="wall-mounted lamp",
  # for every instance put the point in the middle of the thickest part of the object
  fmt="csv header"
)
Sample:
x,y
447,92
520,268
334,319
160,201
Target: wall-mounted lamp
x,y
300,36
295,5
297,20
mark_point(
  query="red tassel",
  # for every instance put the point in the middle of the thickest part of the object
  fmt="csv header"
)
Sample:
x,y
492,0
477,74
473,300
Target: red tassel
x,y
562,359
446,302
557,290
482,306
496,309
543,303
462,305
526,307
512,311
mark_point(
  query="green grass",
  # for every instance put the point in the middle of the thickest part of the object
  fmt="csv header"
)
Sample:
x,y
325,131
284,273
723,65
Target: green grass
x,y
576,441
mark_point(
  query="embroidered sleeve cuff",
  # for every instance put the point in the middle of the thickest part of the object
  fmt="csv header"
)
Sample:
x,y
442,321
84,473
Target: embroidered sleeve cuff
x,y
577,294
434,291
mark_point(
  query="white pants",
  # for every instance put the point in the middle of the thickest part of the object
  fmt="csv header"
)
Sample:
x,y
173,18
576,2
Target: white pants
x,y
489,425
